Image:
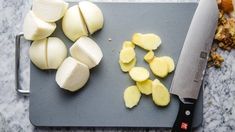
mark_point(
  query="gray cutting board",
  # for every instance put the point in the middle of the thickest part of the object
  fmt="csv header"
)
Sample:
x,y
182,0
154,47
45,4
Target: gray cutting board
x,y
100,102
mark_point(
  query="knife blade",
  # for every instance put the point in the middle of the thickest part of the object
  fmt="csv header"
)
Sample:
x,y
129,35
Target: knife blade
x,y
192,62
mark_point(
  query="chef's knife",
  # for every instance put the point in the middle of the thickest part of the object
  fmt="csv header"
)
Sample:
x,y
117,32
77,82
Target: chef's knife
x,y
192,62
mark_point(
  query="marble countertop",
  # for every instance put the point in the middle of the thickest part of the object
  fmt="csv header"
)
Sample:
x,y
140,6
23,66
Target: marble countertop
x,y
219,91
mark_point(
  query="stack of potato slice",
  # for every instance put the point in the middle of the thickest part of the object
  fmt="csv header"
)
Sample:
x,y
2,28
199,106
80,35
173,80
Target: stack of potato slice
x,y
127,56
160,66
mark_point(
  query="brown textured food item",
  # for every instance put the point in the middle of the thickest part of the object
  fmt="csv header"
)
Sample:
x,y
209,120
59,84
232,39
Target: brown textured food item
x,y
215,60
225,5
224,39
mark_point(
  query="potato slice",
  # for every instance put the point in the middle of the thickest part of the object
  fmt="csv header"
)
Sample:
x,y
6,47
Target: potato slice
x,y
170,61
149,56
131,96
148,41
159,67
139,74
127,55
128,44
160,93
145,87
125,67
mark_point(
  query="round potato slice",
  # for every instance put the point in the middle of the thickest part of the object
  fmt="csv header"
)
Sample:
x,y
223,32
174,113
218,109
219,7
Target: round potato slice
x,y
159,67
147,41
145,87
139,74
125,67
128,44
127,55
131,96
170,61
160,93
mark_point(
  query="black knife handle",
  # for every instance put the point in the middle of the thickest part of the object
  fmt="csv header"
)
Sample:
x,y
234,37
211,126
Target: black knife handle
x,y
183,122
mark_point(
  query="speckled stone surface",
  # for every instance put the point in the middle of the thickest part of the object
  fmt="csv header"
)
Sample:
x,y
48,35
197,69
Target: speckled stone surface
x,y
219,92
